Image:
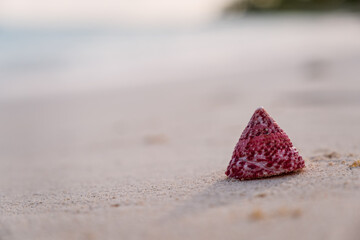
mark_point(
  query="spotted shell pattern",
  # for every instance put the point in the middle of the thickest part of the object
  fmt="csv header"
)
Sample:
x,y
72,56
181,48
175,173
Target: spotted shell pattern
x,y
263,150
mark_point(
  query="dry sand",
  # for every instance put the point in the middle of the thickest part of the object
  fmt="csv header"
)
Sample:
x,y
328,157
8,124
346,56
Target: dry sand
x,y
148,162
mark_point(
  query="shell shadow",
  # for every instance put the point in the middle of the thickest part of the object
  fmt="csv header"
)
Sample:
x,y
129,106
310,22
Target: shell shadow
x,y
223,191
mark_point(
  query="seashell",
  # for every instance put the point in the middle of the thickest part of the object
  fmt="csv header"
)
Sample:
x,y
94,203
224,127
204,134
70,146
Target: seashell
x,y
263,150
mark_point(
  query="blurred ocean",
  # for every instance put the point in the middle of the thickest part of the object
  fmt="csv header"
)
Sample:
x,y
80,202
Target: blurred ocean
x,y
37,62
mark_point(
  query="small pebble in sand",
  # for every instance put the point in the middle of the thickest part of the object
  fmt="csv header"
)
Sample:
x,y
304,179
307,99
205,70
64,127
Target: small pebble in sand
x,y
261,195
355,164
331,164
343,162
257,214
115,205
297,213
332,155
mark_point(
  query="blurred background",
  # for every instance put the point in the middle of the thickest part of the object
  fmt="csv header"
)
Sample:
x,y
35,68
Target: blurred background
x,y
50,47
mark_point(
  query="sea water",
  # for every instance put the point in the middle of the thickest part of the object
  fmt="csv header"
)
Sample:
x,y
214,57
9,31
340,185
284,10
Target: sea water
x,y
38,61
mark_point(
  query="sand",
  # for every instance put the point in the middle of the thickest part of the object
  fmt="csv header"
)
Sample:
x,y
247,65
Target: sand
x,y
148,162
115,165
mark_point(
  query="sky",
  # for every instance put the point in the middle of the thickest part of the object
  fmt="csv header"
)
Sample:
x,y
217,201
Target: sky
x,y
108,12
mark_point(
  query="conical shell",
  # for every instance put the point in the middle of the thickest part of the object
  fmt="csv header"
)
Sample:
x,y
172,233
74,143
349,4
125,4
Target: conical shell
x,y
263,150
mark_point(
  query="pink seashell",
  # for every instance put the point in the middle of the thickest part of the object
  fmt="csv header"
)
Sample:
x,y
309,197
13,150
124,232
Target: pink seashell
x,y
263,150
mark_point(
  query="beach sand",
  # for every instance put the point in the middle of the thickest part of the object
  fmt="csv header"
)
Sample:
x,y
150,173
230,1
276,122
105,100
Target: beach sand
x,y
148,162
